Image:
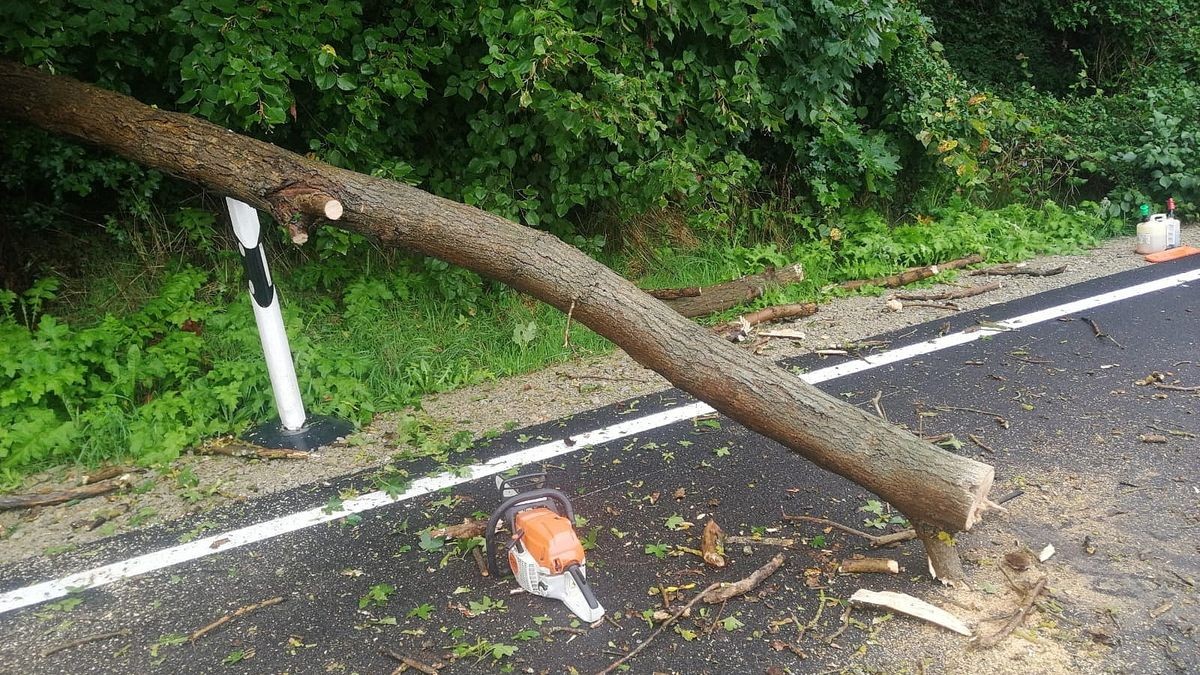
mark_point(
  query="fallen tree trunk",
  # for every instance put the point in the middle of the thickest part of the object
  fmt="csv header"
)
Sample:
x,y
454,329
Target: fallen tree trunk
x,y
926,483
702,300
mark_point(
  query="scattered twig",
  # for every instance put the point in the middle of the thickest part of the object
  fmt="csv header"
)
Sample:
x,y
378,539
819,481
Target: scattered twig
x,y
938,438
914,607
250,451
410,662
879,406
566,629
788,518
948,306
725,592
812,623
1012,270
845,624
979,441
30,500
1016,620
71,644
479,562
721,593
1100,335
1029,360
1000,419
240,611
950,295
567,328
1174,387
1173,432
783,542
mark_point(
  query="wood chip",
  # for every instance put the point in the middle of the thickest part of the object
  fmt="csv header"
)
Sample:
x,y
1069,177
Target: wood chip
x,y
914,607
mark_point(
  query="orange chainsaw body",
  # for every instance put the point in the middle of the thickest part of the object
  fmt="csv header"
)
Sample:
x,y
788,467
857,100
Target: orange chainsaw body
x,y
549,538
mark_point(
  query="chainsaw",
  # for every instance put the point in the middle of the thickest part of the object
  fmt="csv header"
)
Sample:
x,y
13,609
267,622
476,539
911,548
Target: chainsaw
x,y
544,553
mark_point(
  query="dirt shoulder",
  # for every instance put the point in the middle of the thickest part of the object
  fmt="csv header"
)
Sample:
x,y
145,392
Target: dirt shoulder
x,y
200,483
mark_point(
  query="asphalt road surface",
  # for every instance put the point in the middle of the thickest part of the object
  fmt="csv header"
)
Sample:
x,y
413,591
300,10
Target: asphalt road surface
x,y
1054,407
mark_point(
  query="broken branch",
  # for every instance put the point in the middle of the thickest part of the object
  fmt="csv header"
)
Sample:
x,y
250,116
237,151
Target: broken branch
x,y
910,275
71,644
30,500
469,527
724,592
1013,270
1016,620
718,590
410,662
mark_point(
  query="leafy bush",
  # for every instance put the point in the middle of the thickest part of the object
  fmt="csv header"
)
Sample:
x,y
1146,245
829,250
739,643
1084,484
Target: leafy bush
x,y
146,385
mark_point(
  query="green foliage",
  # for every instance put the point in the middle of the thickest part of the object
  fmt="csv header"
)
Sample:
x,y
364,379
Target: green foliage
x,y
145,385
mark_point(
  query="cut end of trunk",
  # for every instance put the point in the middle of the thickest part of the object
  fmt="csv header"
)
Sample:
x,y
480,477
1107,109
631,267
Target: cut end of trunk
x,y
981,502
333,209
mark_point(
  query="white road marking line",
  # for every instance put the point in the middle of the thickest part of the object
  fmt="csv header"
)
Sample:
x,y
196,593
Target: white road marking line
x,y
174,555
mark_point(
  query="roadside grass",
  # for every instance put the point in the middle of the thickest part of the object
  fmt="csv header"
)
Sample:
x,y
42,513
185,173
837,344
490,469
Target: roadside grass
x,y
140,356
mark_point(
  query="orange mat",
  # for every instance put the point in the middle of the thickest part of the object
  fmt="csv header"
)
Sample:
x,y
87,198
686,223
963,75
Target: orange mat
x,y
1172,253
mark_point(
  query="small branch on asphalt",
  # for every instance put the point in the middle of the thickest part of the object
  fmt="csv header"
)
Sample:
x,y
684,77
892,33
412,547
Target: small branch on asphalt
x,y
845,624
1174,387
1100,335
240,611
979,441
410,662
479,562
872,539
717,592
71,644
879,406
1000,419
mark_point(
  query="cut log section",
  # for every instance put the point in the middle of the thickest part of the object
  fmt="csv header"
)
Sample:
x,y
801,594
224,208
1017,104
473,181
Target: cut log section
x,y
926,483
869,566
701,301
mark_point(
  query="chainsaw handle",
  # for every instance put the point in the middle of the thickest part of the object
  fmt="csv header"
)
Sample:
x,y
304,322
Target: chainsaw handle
x,y
558,501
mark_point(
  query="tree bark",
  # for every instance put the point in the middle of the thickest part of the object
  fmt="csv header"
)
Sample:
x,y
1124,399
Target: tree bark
x,y
926,483
703,300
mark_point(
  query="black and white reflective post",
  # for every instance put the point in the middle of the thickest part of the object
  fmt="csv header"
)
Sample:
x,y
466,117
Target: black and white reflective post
x,y
294,430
